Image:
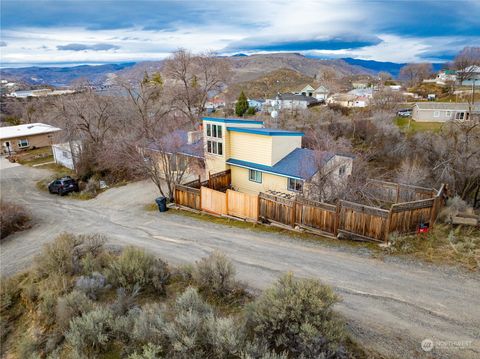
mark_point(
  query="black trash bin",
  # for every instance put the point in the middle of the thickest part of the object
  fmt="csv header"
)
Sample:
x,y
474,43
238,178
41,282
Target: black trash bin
x,y
162,204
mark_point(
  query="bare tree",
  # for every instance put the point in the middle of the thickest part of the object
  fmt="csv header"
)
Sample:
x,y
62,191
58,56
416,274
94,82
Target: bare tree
x,y
415,73
466,63
194,78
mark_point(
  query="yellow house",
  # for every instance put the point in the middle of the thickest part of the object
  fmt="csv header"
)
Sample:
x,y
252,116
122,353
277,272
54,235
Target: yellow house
x,y
265,159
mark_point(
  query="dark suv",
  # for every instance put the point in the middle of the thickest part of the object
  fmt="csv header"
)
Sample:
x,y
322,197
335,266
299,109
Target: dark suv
x,y
63,185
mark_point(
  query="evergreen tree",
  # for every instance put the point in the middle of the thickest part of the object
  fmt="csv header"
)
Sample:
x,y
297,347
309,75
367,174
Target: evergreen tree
x,y
242,105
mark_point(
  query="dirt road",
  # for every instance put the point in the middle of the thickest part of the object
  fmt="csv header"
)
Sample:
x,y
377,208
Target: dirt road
x,y
390,306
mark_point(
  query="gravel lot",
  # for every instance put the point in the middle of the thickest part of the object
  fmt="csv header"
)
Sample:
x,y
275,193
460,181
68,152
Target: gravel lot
x,y
391,307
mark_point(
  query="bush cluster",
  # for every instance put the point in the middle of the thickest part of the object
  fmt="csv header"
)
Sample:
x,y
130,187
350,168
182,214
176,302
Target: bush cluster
x,y
13,218
88,302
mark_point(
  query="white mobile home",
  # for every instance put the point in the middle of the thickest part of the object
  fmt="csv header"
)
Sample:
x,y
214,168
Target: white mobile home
x,y
443,111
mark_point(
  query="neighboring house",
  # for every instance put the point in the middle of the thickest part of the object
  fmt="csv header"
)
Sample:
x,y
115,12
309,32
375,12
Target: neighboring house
x,y
184,152
360,85
265,159
442,111
215,102
67,154
289,101
348,100
321,93
257,104
26,137
473,76
306,91
447,75
362,92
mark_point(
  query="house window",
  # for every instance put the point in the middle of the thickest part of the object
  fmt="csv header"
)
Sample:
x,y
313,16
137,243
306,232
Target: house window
x,y
436,114
255,176
295,185
448,113
65,154
342,170
215,147
214,144
23,143
459,115
214,131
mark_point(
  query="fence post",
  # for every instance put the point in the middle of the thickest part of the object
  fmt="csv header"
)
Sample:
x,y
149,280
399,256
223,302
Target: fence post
x,y
398,193
294,210
389,219
337,219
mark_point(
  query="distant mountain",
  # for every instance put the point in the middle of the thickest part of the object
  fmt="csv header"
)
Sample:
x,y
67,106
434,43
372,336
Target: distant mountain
x,y
62,76
391,67
245,68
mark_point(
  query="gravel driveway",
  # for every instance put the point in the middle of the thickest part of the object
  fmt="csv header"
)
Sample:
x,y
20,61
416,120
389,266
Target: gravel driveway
x,y
390,307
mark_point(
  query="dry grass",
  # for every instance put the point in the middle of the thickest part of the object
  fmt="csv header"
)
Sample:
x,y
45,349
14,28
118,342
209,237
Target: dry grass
x,y
13,218
35,157
443,245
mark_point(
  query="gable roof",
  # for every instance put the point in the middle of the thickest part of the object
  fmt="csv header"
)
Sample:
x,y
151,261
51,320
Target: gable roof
x,y
177,142
294,97
301,163
459,106
321,89
231,120
307,88
28,129
265,131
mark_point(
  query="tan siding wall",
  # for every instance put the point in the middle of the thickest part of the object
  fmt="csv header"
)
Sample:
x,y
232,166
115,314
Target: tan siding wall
x,y
37,141
283,145
241,183
428,115
250,147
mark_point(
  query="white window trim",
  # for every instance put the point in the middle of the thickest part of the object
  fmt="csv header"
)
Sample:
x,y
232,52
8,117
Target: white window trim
x,y
436,113
256,172
295,181
23,146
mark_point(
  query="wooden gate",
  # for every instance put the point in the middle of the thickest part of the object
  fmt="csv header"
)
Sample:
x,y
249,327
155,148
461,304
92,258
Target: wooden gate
x,y
362,222
277,209
242,205
213,201
188,197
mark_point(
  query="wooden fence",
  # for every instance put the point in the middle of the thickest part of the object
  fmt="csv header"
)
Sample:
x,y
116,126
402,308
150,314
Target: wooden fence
x,y
390,192
351,220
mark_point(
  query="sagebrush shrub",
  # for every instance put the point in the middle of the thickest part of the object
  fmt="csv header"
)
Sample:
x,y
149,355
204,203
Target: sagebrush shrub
x,y
91,333
215,274
149,351
135,267
92,285
125,300
224,337
70,306
13,217
296,316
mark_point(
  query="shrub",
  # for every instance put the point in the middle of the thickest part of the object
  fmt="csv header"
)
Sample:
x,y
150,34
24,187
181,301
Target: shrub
x,y
91,333
61,256
215,274
13,217
92,285
149,351
296,316
70,306
135,267
224,336
9,293
27,347
125,300
187,331
149,324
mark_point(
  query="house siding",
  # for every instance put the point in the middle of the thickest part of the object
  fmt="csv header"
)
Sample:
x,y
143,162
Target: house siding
x,y
282,146
428,115
270,182
251,147
37,141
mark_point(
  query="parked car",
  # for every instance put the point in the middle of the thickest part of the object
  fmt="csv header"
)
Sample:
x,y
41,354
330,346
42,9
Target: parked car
x,y
63,186
407,112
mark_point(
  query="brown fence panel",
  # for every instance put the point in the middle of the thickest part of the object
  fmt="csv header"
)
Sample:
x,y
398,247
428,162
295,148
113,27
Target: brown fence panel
x,y
220,181
213,201
317,215
277,209
187,196
363,222
406,217
242,205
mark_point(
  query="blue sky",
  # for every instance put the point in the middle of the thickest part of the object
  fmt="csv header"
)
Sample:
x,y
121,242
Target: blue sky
x,y
74,31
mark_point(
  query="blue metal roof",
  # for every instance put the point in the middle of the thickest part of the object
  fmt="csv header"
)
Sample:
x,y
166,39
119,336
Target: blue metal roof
x,y
265,131
301,163
231,120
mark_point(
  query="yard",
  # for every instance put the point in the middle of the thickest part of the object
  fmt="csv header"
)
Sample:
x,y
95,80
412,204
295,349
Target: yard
x,y
408,125
34,157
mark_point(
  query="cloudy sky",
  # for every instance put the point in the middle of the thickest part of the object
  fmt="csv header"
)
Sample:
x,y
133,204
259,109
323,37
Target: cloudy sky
x,y
100,31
